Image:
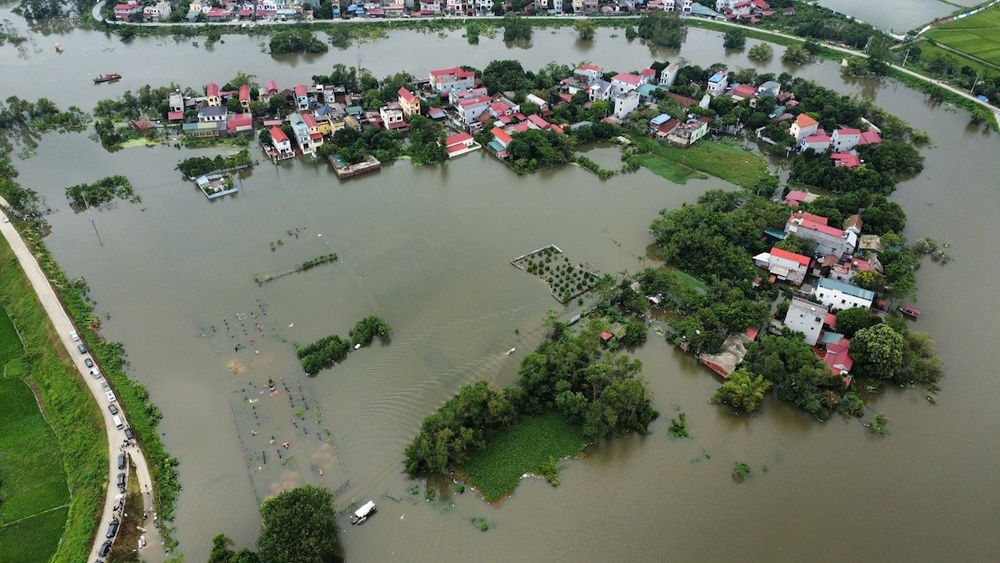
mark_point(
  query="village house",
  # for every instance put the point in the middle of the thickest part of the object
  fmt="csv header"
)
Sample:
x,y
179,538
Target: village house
x,y
688,133
469,109
445,80
536,121
829,240
669,74
502,106
837,355
662,126
239,124
802,127
409,103
125,11
845,138
589,72
501,140
301,97
623,83
741,92
212,114
459,144
769,88
244,97
845,271
784,265
212,97
626,104
807,318
175,103
796,197
329,118
647,92
315,134
599,90
156,13
392,117
839,295
301,132
846,160
281,143
818,141
717,83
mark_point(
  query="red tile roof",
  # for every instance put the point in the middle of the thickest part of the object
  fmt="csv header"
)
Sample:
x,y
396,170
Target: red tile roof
x,y
744,91
847,131
845,160
456,139
838,356
212,90
272,86
810,217
501,135
309,120
627,78
539,122
300,90
244,92
407,96
521,127
591,67
870,138
804,120
796,195
175,116
797,258
457,72
278,136
825,229
647,72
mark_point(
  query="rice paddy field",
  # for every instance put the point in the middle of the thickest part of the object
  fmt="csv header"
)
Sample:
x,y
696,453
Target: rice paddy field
x,y
977,36
34,498
523,448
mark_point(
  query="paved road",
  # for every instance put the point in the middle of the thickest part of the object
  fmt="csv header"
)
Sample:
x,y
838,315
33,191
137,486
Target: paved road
x,y
63,325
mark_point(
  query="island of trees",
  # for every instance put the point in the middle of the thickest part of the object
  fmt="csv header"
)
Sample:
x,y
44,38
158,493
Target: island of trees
x,y
327,351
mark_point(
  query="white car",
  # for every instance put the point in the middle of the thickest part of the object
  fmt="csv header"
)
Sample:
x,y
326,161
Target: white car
x,y
111,396
96,373
74,336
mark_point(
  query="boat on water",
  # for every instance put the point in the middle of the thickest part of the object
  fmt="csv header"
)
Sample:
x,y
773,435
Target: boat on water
x,y
59,47
910,311
362,514
107,78
511,351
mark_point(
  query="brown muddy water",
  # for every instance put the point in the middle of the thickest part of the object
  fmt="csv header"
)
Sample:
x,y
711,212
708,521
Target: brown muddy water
x,y
428,249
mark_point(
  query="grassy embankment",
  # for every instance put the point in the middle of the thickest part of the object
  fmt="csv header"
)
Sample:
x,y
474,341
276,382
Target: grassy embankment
x,y
128,533
31,446
714,158
523,448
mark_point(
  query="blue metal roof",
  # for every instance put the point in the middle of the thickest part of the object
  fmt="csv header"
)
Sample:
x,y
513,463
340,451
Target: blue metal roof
x,y
842,287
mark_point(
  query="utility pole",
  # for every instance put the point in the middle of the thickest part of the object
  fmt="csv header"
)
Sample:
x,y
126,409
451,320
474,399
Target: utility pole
x,y
906,56
92,222
974,84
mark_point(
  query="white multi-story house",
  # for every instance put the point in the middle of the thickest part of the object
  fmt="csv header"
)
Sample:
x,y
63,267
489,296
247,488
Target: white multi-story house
x,y
717,83
392,116
301,132
803,127
626,104
784,265
470,109
807,318
447,79
599,90
829,240
839,295
669,75
589,72
281,143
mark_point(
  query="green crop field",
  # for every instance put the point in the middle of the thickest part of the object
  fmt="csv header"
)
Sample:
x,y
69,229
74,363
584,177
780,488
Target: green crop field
x,y
978,35
34,498
523,448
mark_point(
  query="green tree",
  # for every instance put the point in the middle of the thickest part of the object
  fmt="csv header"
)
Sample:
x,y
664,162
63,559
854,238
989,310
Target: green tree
x,y
870,280
516,29
735,39
877,352
743,391
300,526
796,55
585,30
850,321
760,53
662,28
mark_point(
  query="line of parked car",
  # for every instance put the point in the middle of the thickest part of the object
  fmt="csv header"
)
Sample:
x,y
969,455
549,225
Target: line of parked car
x,y
120,425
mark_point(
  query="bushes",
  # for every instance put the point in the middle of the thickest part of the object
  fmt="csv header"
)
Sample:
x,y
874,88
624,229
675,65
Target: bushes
x,y
100,192
333,349
201,165
296,41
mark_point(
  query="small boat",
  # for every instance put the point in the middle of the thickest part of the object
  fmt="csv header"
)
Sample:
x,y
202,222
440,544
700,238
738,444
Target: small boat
x,y
59,47
511,351
362,514
910,311
107,78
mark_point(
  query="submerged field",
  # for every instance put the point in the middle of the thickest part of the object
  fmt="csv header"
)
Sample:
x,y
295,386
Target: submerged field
x,y
523,448
53,467
720,159
978,35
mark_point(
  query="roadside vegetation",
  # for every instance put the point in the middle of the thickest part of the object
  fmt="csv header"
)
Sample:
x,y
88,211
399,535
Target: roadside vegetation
x,y
201,165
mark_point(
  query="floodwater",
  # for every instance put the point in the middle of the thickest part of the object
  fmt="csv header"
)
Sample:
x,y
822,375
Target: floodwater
x,y
898,16
428,249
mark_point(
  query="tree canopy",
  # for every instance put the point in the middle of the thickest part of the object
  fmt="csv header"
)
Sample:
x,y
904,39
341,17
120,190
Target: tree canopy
x,y
662,28
300,526
743,391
